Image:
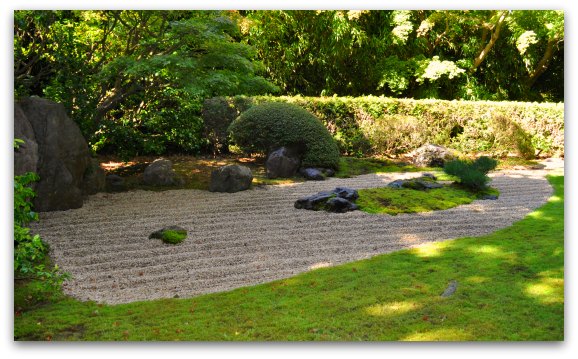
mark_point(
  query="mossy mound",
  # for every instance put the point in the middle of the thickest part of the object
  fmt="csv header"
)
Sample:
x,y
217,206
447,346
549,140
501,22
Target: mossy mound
x,y
392,201
170,235
272,125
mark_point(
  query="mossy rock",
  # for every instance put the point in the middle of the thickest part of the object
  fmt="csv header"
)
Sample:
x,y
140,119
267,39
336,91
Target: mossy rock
x,y
170,234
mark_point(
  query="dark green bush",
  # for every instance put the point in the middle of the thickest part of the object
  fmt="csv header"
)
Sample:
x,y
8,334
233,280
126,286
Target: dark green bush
x,y
485,164
271,125
471,174
217,116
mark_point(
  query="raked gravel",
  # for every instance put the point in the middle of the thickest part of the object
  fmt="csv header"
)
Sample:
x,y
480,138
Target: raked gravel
x,y
250,237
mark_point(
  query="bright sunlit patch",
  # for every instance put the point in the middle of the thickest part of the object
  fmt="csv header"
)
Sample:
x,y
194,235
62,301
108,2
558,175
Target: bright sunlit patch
x,y
477,279
486,250
428,251
452,334
393,308
111,166
320,265
547,290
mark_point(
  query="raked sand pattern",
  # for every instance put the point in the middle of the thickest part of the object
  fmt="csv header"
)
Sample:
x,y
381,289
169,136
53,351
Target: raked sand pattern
x,y
250,237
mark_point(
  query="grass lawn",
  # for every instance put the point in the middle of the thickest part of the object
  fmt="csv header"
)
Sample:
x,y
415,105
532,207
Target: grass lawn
x,y
510,286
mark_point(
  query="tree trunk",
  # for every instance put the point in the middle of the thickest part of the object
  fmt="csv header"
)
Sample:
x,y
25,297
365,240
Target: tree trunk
x,y
542,65
495,36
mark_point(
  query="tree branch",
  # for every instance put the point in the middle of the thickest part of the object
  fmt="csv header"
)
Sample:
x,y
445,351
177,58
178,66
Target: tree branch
x,y
486,50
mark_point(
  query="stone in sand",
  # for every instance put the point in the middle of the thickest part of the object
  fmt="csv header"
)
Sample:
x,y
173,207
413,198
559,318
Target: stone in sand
x,y
283,162
160,173
231,178
312,174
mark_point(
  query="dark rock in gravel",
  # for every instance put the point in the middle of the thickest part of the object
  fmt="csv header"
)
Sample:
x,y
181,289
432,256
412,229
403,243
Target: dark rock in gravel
x,y
339,200
339,205
347,193
115,183
312,174
328,172
160,173
313,201
231,178
283,162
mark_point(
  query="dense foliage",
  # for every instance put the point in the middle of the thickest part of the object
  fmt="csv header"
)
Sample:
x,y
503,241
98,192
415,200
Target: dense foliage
x,y
471,55
134,80
387,126
268,126
29,250
471,174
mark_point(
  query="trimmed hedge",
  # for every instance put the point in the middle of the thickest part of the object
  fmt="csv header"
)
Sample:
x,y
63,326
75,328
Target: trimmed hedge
x,y
268,126
390,126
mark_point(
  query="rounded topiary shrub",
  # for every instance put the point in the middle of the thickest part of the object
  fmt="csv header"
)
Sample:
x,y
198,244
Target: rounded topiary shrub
x,y
266,127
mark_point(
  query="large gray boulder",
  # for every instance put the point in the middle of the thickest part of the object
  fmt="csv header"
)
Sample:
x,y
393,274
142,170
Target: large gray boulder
x,y
283,163
62,156
26,156
431,156
231,178
160,173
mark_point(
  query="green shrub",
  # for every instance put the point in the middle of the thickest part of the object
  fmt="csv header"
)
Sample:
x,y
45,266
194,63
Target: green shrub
x,y
271,125
471,174
217,116
509,135
30,252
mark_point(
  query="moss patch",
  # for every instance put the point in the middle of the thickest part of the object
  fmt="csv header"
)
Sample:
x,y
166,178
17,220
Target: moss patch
x,y
170,235
392,201
174,237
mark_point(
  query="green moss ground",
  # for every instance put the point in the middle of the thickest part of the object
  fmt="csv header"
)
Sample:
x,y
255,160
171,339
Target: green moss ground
x,y
392,201
510,288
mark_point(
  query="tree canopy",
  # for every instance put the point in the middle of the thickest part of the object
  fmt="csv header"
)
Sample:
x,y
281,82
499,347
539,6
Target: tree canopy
x,y
473,55
135,80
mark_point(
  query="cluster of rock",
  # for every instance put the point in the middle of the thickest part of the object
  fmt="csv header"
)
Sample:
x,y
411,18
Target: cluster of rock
x,y
285,162
340,200
430,155
425,182
55,149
